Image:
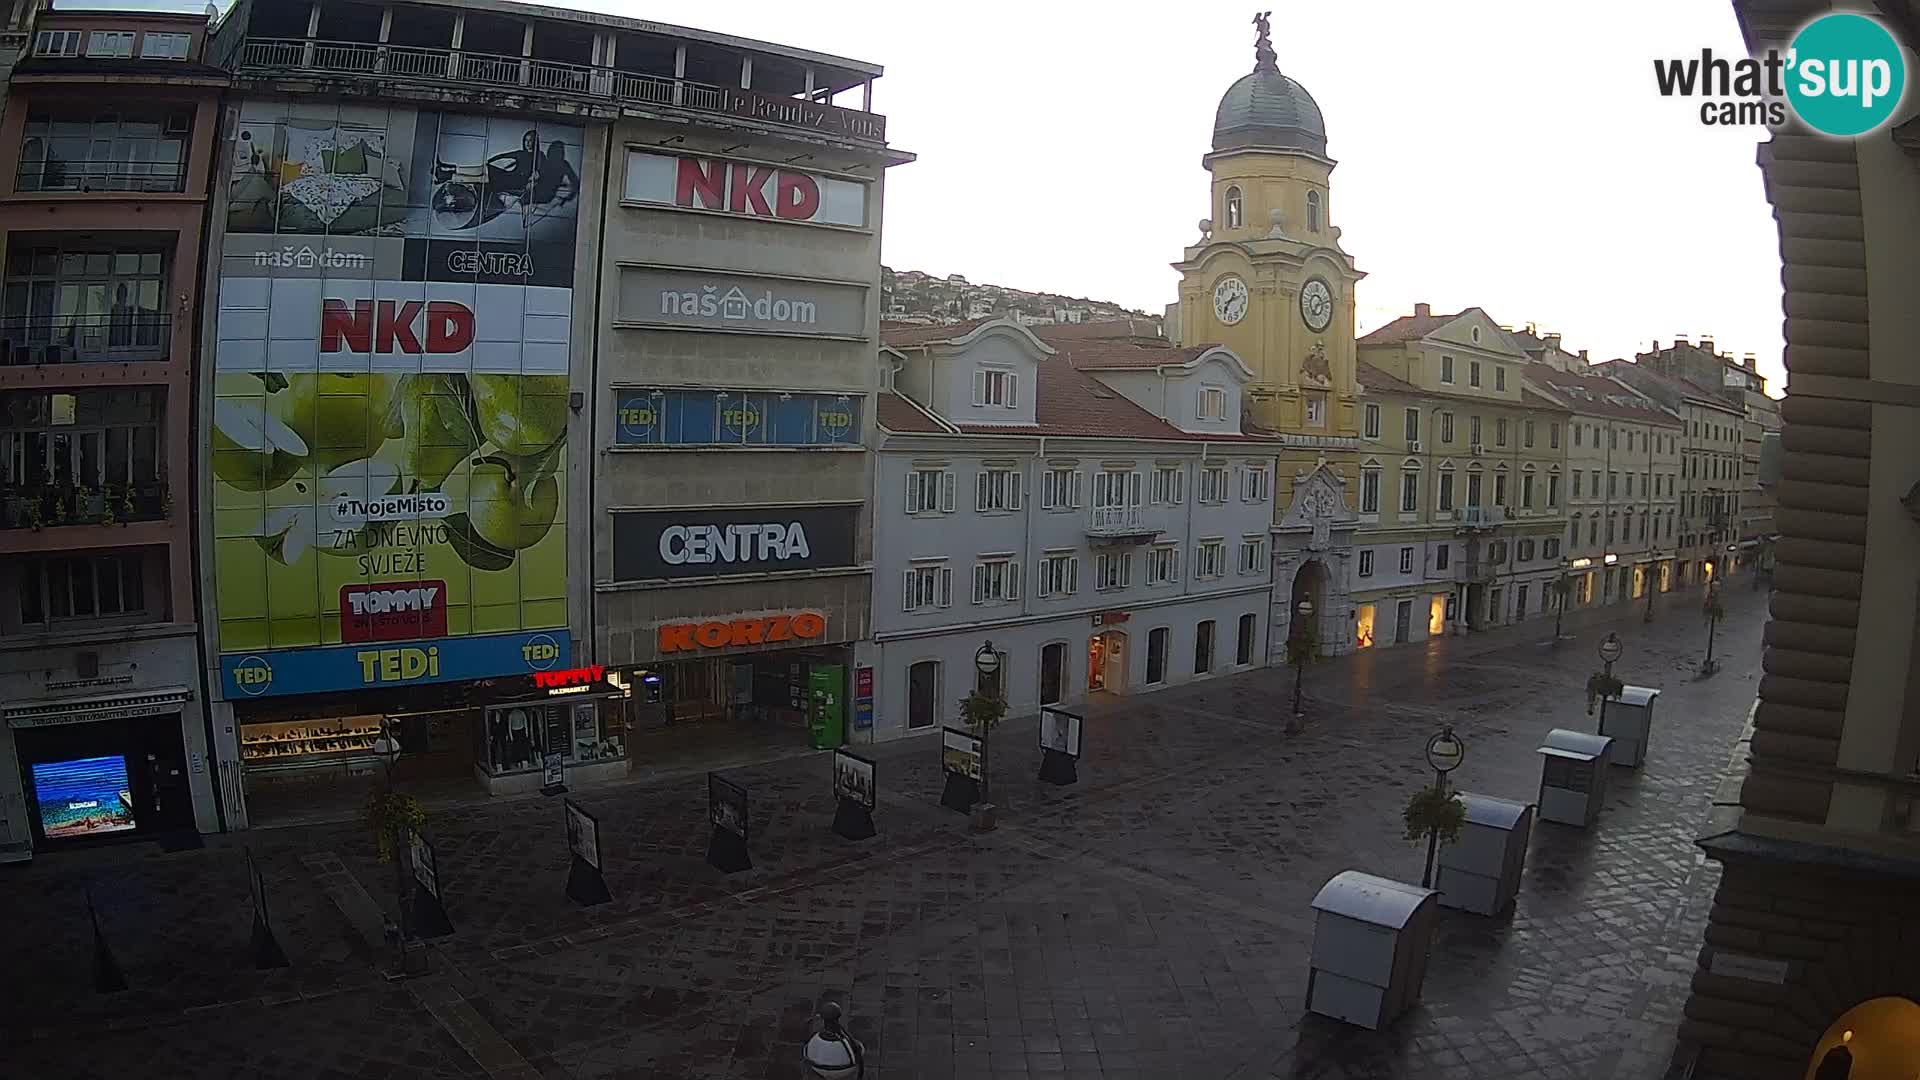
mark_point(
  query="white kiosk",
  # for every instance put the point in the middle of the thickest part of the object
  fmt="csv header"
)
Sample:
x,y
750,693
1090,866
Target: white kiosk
x,y
1480,872
1370,944
1573,776
1629,721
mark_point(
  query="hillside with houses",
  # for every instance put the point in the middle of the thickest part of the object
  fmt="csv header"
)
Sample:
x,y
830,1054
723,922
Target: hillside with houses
x,y
913,296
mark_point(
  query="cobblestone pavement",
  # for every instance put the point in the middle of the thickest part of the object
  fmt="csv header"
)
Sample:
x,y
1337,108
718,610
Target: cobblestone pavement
x,y
1150,921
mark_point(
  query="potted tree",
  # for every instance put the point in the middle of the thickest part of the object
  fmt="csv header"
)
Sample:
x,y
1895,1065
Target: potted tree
x,y
982,713
1436,815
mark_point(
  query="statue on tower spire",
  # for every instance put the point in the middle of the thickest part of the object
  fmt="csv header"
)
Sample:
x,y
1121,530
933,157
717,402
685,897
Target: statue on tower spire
x,y
1264,58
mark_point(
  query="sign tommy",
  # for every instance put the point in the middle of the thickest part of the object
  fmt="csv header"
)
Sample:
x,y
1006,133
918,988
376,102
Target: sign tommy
x,y
1842,75
649,544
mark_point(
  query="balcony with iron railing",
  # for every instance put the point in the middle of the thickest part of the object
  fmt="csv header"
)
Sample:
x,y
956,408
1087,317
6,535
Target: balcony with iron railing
x,y
41,175
1119,525
457,68
46,506
124,337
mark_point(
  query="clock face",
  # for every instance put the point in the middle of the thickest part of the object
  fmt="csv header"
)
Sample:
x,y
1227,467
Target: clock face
x,y
1316,304
1230,299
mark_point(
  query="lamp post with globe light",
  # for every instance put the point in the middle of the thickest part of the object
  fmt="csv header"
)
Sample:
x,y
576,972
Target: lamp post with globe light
x,y
986,665
387,748
1603,685
1445,752
1302,648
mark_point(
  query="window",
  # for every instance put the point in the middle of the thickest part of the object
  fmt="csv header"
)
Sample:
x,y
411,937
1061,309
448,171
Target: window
x,y
1255,484
1409,491
1612,519
57,43
1115,488
1629,485
1210,559
1213,403
1526,436
996,579
1236,209
1474,335
164,46
929,491
1593,530
1112,570
1163,564
1526,491
1316,410
1406,560
1371,420
1499,377
1213,484
1500,489
1613,484
1497,551
1060,489
1613,438
996,489
1550,548
1369,491
1643,526
1366,562
1413,425
1363,626
1059,574
1500,431
1473,430
1253,554
1446,491
1203,648
1313,211
1442,556
57,588
1553,437
1594,487
84,303
1576,481
1577,429
1446,427
112,44
1157,655
1520,601
927,586
1446,369
1553,490
1473,373
1243,646
1169,485
995,386
1473,490
87,439
1524,551
923,694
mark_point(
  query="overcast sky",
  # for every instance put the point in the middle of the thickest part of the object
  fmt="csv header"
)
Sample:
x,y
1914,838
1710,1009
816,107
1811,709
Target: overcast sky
x,y
1511,155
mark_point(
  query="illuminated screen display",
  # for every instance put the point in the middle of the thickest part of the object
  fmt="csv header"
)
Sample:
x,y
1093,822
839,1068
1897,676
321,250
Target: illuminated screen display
x,y
83,797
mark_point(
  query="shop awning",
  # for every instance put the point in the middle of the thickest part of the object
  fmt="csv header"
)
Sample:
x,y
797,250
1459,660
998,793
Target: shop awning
x,y
87,710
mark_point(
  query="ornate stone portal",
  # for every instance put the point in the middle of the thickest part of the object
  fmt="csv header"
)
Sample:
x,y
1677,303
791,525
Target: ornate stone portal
x,y
1312,553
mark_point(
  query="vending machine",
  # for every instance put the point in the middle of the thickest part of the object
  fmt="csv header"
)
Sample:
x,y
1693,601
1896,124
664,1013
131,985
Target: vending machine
x,y
827,705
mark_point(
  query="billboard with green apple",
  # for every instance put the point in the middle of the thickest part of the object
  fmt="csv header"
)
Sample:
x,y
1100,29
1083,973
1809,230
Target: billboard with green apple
x,y
388,444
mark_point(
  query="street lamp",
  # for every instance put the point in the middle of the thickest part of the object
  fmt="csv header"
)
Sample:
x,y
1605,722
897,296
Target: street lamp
x,y
1714,611
1445,752
1647,583
1305,638
986,666
387,748
1610,651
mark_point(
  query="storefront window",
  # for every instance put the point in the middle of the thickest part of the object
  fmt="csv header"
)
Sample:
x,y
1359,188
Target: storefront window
x,y
1363,626
518,736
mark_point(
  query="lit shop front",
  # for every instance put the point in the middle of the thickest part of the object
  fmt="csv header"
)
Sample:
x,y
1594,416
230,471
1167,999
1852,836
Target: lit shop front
x,y
707,671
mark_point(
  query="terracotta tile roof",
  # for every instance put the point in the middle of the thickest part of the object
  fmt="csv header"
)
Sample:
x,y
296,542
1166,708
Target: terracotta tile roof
x,y
1108,354
1136,329
1408,328
1594,395
1374,378
1534,401
908,334
1623,369
895,413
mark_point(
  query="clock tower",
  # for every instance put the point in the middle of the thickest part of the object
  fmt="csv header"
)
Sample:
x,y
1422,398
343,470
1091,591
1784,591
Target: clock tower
x,y
1268,278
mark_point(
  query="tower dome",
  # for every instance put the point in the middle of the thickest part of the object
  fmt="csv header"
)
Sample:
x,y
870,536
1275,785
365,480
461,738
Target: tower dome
x,y
1265,110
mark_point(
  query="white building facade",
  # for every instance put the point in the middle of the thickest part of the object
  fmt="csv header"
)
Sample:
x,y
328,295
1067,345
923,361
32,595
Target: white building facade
x,y
1092,509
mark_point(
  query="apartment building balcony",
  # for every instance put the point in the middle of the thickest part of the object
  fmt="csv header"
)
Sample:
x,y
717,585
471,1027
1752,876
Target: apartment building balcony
x,y
1480,517
1119,525
123,337
88,176
51,506
663,74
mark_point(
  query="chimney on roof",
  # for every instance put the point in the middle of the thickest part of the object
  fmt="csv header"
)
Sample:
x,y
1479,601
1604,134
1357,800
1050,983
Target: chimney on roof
x,y
1583,356
1706,344
1747,362
1422,311
1553,341
1678,340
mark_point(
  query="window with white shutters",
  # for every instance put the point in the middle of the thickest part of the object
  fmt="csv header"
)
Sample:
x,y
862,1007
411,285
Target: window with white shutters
x,y
993,386
1253,554
1112,570
996,579
1406,560
1213,403
926,587
1163,564
1366,562
1210,558
996,489
1169,485
1370,422
930,491
1213,484
1255,481
1060,489
1059,574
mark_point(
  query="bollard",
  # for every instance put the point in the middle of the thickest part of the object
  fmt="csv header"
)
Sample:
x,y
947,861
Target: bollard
x,y
832,1053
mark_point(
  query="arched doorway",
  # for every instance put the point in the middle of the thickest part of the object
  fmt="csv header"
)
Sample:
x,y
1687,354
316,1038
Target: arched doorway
x,y
1309,583
1875,1040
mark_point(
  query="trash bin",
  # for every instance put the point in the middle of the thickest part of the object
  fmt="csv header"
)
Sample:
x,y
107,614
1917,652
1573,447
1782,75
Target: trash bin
x,y
1628,721
1573,776
1480,872
1370,943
